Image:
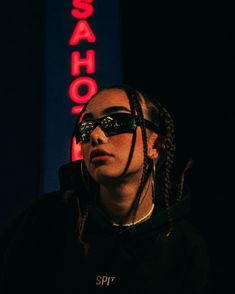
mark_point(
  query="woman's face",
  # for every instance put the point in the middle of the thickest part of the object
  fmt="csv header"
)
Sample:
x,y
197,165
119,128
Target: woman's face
x,y
108,164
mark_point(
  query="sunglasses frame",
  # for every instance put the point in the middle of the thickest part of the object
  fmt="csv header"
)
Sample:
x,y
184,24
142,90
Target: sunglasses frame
x,y
133,120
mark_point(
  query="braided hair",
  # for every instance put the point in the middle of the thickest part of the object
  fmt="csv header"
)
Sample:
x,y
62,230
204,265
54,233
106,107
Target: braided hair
x,y
166,145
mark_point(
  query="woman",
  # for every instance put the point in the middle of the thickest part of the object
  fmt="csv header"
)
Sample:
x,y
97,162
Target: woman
x,y
118,223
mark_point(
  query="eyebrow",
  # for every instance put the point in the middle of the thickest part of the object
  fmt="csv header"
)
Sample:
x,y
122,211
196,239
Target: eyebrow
x,y
107,111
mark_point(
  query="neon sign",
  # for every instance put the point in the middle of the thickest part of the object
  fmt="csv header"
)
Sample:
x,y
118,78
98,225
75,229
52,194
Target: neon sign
x,y
83,87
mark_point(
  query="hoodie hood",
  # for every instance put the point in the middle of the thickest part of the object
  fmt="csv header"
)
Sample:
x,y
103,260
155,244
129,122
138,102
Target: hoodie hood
x,y
158,222
70,177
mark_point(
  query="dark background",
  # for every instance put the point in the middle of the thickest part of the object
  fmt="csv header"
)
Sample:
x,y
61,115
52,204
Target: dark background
x,y
186,55
22,31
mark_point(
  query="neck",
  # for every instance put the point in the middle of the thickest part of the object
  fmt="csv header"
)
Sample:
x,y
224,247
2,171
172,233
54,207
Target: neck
x,y
117,201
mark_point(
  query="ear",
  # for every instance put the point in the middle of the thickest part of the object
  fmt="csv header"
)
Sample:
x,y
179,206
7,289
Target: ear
x,y
153,150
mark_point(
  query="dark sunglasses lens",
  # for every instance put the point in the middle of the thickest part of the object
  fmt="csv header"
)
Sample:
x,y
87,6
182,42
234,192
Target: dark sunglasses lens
x,y
118,123
113,124
84,130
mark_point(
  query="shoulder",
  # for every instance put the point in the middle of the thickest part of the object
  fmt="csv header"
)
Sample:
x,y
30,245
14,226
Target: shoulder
x,y
36,208
41,202
193,246
189,233
46,200
196,248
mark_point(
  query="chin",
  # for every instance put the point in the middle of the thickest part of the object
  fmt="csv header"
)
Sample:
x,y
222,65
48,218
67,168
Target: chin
x,y
104,176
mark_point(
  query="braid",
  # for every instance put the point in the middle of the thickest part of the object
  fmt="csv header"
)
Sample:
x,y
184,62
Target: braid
x,y
82,220
83,212
167,126
166,138
82,217
135,100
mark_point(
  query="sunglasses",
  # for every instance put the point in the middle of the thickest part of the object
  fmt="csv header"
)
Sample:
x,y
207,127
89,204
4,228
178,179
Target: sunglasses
x,y
112,124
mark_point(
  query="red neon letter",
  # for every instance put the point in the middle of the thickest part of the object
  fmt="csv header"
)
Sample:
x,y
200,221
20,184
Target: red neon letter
x,y
79,82
82,31
84,9
76,150
77,109
77,62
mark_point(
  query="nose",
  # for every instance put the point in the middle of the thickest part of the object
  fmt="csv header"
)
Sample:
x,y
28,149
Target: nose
x,y
98,136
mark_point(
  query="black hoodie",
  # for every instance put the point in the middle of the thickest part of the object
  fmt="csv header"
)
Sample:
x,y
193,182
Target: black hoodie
x,y
40,251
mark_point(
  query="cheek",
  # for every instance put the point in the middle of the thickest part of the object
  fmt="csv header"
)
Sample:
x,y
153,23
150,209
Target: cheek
x,y
123,145
120,147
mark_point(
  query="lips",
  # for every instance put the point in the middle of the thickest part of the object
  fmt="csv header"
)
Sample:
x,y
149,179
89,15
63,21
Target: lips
x,y
97,153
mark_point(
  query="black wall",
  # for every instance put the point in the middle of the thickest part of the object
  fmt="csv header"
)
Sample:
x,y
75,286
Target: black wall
x,y
186,55
21,78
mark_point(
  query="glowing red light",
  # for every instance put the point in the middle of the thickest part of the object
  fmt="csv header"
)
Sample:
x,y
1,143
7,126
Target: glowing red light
x,y
82,88
77,109
76,150
83,8
76,84
82,31
77,62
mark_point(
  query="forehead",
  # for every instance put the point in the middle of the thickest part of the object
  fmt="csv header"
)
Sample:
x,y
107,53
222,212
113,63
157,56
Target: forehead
x,y
107,98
